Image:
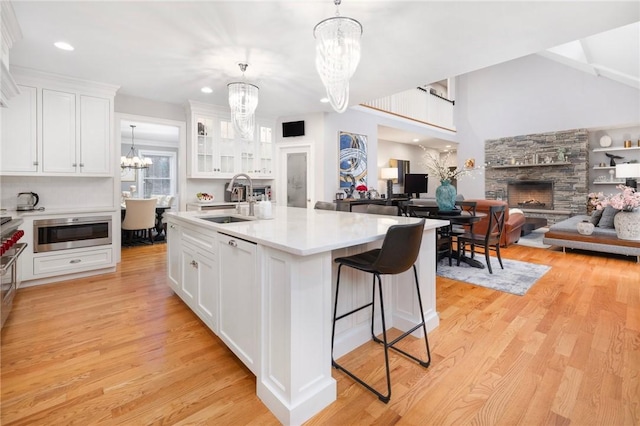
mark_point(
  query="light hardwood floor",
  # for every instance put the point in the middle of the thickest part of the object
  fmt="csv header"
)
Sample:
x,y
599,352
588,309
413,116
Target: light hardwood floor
x,y
122,349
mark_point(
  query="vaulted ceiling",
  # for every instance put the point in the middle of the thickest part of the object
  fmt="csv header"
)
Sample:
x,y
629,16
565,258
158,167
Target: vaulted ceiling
x,y
168,50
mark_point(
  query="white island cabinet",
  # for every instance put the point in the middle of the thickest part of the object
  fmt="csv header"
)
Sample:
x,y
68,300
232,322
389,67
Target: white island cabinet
x,y
269,288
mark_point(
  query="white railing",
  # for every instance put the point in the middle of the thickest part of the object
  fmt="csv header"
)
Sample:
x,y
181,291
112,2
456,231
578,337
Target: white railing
x,y
417,104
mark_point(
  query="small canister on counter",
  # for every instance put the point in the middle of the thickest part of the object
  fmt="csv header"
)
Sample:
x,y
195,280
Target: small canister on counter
x,y
627,144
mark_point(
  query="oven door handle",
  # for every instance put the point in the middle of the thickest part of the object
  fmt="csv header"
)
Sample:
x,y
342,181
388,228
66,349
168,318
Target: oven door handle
x,y
10,260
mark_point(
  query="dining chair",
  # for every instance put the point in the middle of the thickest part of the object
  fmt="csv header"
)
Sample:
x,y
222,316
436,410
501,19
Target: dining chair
x,y
398,254
140,216
324,205
444,237
468,207
379,209
488,241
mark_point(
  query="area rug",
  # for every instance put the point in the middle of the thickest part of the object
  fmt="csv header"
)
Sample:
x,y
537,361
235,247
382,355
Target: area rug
x,y
516,278
534,239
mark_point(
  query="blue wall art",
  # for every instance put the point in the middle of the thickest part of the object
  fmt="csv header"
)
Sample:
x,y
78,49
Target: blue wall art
x,y
353,160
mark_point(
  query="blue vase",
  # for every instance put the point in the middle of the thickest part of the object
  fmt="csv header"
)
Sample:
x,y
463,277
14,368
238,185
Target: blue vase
x,y
446,196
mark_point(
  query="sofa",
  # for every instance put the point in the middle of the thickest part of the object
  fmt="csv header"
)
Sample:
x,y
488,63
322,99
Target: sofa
x,y
603,239
513,221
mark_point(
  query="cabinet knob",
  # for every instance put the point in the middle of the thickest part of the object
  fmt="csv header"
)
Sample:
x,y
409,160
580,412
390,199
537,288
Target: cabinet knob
x,y
81,164
75,261
233,243
172,226
194,264
75,164
35,163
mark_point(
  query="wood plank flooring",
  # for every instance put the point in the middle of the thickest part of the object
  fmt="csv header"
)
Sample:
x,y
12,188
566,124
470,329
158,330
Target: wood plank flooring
x,y
122,349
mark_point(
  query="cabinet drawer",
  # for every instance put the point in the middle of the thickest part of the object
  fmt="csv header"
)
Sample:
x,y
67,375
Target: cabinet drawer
x,y
199,240
72,262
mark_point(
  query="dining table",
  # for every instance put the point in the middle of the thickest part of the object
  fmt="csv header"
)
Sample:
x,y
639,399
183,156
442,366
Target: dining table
x,y
459,217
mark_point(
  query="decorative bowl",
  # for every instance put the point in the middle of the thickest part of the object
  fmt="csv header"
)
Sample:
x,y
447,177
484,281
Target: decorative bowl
x,y
204,198
585,227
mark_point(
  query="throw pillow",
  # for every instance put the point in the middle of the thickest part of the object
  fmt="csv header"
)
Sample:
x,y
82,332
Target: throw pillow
x,y
596,215
606,221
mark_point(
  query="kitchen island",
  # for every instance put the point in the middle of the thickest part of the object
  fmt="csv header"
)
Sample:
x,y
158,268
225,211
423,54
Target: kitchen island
x,y
265,287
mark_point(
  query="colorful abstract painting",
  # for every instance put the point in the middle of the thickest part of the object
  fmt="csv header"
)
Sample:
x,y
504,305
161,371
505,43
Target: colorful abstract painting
x,y
353,160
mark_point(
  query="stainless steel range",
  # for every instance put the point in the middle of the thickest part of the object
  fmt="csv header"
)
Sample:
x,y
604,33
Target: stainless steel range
x,y
9,253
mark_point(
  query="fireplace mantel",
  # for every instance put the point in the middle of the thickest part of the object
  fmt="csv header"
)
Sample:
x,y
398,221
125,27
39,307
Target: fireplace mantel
x,y
513,166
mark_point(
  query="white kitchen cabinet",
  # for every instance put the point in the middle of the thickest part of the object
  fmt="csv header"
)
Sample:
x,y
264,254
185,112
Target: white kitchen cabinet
x,y
64,149
58,127
71,261
239,299
215,151
58,132
173,256
192,270
94,145
19,148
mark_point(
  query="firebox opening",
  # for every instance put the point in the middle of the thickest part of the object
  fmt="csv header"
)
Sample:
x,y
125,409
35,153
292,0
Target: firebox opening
x,y
530,194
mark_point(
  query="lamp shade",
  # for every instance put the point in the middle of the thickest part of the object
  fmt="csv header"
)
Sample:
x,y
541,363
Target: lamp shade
x,y
389,173
631,170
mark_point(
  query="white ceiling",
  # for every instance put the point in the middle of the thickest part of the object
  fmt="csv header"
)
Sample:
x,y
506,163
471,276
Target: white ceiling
x,y
168,50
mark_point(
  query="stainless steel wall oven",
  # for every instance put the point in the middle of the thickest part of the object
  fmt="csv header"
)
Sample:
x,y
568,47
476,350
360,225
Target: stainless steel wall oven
x,y
68,233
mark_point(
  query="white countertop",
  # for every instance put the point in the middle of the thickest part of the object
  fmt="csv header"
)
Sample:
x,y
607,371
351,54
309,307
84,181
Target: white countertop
x,y
306,231
63,211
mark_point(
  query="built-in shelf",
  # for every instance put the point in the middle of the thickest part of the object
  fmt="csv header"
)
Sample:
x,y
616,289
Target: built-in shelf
x,y
620,148
608,183
513,166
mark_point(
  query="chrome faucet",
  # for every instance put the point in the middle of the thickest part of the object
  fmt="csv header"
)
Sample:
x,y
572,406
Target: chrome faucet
x,y
249,195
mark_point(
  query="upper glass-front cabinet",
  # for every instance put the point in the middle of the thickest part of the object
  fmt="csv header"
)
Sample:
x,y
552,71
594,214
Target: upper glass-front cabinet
x,y
206,161
265,149
216,151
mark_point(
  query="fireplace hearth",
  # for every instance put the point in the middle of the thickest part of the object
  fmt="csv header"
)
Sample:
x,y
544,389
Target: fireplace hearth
x,y
530,194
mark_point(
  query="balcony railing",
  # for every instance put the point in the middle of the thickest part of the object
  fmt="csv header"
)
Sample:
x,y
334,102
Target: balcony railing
x,y
419,105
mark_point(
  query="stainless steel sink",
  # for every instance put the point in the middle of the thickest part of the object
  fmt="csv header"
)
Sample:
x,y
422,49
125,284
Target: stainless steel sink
x,y
225,219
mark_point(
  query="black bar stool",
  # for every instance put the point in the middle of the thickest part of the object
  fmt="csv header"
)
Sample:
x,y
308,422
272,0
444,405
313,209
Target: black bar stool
x,y
398,253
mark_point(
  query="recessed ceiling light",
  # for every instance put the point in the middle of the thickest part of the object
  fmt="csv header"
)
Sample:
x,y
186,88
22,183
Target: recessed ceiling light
x,y
206,90
63,45
447,146
324,100
416,140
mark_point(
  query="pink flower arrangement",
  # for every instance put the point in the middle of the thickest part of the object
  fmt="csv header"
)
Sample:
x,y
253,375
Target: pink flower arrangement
x,y
361,188
626,200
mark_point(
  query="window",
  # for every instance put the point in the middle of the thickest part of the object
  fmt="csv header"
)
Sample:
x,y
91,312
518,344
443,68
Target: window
x,y
160,177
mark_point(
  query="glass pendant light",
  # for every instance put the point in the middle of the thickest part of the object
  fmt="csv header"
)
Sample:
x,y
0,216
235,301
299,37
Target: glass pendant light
x,y
337,55
132,160
243,101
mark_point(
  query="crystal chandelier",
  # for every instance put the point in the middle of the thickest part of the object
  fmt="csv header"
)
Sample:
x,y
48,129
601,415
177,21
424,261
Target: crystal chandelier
x,y
243,100
132,160
337,55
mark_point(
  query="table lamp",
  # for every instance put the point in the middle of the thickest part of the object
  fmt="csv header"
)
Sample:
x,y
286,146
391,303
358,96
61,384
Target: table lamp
x,y
629,171
389,173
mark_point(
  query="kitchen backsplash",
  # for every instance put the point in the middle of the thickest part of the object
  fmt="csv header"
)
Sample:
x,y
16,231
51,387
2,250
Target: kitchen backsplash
x,y
59,192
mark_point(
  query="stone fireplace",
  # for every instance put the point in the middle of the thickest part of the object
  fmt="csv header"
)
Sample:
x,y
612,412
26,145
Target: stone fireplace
x,y
530,194
544,174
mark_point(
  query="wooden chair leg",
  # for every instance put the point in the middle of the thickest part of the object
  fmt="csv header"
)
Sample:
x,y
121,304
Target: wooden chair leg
x,y
486,256
498,254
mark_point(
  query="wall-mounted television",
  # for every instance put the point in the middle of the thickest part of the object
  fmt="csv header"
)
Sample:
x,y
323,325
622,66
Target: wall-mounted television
x,y
292,128
416,183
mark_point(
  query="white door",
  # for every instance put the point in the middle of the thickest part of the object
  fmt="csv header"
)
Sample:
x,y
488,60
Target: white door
x,y
295,180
